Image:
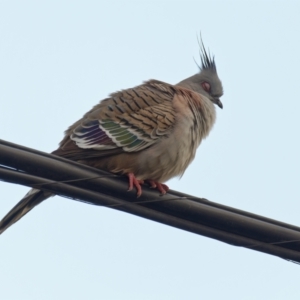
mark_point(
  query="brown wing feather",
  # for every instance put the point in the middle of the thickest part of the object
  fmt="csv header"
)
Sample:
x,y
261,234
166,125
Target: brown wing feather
x,y
147,107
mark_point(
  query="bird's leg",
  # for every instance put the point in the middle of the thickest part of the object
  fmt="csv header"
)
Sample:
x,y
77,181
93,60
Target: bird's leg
x,y
136,183
133,182
161,187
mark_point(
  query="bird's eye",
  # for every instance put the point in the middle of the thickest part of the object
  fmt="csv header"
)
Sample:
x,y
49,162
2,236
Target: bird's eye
x,y
206,86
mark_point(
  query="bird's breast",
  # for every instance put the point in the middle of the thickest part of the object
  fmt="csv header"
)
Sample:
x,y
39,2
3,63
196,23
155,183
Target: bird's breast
x,y
171,156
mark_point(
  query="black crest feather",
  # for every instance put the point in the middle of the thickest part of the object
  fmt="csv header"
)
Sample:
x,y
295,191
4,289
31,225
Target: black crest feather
x,y
207,61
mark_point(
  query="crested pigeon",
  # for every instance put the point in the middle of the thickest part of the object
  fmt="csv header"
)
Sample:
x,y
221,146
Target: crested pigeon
x,y
150,132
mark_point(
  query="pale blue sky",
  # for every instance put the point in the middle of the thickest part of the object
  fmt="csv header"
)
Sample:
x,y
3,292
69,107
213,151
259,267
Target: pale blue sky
x,y
59,58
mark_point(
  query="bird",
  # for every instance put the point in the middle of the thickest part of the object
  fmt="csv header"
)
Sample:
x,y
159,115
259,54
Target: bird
x,y
149,133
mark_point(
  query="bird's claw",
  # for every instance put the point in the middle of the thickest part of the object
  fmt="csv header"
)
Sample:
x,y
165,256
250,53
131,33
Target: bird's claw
x,y
161,187
133,182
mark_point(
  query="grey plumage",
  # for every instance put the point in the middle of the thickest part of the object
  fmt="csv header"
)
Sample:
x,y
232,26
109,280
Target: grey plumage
x,y
149,133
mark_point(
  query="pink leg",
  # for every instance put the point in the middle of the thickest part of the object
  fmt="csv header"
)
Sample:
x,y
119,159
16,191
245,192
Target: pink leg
x,y
133,182
161,187
136,183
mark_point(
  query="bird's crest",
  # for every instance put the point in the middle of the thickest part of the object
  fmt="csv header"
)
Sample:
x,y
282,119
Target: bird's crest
x,y
207,61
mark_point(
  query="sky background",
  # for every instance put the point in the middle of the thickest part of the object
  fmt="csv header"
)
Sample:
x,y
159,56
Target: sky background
x,y
59,58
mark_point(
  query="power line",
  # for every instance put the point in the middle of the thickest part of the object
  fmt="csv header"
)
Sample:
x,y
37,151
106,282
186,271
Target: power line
x,y
37,169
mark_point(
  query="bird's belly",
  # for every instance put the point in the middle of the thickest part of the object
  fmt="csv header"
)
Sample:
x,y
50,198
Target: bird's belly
x,y
168,159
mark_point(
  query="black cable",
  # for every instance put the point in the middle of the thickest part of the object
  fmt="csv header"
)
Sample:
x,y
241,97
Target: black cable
x,y
33,168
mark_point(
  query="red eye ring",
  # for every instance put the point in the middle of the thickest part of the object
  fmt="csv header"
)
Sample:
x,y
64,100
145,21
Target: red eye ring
x,y
206,86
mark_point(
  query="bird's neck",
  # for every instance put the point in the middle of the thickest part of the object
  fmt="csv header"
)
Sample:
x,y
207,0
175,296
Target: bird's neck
x,y
203,109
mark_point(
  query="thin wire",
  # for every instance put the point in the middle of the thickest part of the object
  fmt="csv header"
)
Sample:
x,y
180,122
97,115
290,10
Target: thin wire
x,y
292,261
40,185
179,198
176,199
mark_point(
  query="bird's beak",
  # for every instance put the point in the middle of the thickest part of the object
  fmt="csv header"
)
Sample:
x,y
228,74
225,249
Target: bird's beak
x,y
218,102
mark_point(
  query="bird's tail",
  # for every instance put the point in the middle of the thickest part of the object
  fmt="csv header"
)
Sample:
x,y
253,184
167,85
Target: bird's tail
x,y
30,200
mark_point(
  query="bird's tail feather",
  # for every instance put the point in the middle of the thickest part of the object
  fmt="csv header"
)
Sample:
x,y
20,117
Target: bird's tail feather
x,y
30,200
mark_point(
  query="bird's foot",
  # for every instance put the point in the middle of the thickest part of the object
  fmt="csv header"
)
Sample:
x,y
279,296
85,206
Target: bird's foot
x,y
133,182
161,187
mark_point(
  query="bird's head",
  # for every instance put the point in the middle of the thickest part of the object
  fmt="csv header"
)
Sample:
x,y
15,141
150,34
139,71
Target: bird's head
x,y
207,81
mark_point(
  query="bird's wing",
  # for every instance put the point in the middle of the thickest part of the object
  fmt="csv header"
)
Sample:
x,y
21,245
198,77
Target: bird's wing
x,y
130,120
